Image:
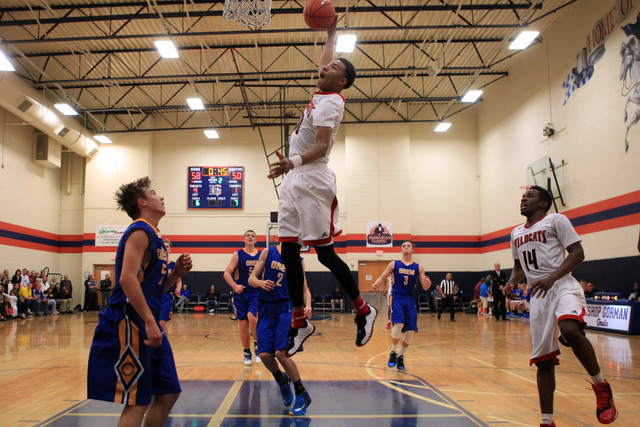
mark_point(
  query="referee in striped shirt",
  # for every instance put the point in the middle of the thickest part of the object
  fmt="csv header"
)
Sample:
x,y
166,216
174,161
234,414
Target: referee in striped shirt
x,y
447,289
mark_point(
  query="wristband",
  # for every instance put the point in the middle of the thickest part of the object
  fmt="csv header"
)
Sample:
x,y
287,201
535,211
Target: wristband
x,y
296,160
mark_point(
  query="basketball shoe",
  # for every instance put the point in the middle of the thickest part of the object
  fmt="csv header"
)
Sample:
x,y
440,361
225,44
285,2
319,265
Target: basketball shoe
x,y
392,360
553,424
285,390
365,326
303,401
401,363
247,359
297,336
606,410
257,359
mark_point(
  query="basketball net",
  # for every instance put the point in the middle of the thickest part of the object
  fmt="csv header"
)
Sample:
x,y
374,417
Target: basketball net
x,y
248,13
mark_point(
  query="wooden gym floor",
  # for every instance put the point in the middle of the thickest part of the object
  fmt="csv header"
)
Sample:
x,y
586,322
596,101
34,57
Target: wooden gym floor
x,y
471,372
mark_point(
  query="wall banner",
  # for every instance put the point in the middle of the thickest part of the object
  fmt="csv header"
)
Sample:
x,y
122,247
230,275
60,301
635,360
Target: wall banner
x,y
109,235
379,235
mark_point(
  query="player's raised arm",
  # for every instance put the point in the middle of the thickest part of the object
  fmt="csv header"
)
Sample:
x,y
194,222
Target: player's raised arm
x,y
386,273
231,267
327,50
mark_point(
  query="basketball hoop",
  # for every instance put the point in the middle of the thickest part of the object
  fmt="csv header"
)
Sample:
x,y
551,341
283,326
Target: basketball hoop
x,y
248,13
524,188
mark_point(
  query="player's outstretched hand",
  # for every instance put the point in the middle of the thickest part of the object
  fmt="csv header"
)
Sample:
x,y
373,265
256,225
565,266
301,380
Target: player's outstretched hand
x,y
539,288
331,29
154,336
267,285
283,165
184,264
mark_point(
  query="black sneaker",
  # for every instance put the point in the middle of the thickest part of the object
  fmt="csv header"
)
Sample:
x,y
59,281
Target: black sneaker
x,y
439,315
365,324
392,360
401,363
297,336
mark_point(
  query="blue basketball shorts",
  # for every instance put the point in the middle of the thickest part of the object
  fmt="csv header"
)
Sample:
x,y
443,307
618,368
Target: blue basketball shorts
x,y
274,321
245,303
122,369
166,307
403,310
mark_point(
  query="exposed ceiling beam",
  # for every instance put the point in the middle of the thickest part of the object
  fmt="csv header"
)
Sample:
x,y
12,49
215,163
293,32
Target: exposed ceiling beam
x,y
247,77
256,45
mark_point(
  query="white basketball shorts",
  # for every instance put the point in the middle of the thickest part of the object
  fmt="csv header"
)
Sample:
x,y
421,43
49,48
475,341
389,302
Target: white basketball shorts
x,y
565,300
308,207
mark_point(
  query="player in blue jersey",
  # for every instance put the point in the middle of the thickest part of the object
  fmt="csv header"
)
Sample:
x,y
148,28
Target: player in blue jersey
x,y
166,307
245,297
404,314
274,320
131,361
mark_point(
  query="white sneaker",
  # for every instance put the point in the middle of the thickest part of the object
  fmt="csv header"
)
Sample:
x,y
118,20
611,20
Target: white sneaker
x,y
247,359
257,359
212,312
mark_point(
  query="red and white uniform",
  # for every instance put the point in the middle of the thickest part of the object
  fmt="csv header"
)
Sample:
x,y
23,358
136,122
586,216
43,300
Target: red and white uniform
x,y
308,207
540,249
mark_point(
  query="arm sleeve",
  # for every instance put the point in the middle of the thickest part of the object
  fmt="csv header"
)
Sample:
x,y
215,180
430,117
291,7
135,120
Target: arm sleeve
x,y
329,112
566,233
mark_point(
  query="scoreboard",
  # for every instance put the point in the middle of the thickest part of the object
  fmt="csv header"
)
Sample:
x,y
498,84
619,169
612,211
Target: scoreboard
x,y
215,187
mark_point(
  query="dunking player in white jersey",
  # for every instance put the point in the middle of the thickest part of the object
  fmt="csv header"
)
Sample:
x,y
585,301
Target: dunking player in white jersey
x,y
308,208
557,299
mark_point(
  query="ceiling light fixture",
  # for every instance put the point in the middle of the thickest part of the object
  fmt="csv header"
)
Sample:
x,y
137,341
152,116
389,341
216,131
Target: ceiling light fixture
x,y
346,43
167,49
103,139
211,134
523,40
442,127
195,103
66,109
5,65
471,96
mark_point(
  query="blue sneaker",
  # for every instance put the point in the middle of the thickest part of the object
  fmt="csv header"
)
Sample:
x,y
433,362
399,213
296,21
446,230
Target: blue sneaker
x,y
392,360
302,403
401,363
247,359
285,390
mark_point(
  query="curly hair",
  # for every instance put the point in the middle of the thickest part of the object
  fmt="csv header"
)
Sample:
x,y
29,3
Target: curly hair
x,y
128,194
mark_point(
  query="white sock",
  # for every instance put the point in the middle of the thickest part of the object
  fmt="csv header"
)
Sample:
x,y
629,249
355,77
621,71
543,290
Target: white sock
x,y
394,348
547,418
597,379
402,350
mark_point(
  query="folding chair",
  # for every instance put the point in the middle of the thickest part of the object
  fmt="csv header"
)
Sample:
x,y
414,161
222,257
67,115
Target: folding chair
x,y
423,303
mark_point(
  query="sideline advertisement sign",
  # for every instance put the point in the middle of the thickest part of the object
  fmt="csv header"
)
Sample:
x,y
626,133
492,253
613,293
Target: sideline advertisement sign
x,y
609,317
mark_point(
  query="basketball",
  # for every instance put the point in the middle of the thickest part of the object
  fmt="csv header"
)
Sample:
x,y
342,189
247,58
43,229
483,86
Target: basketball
x,y
319,14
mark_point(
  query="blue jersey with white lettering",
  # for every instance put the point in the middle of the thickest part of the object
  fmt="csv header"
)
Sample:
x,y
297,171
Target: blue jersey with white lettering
x,y
151,275
246,263
405,278
274,270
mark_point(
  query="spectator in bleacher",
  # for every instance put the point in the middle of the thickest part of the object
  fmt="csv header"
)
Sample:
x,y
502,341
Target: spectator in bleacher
x,y
46,303
33,276
635,295
63,297
90,294
583,284
66,282
45,283
17,278
184,298
105,289
591,289
213,300
25,276
337,299
27,300
5,274
4,305
11,298
50,295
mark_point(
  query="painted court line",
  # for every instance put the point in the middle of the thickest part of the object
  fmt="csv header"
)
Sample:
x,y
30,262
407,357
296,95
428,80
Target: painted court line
x,y
226,403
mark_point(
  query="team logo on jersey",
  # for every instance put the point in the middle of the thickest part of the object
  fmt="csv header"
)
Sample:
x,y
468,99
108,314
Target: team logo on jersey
x,y
536,236
379,235
307,113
